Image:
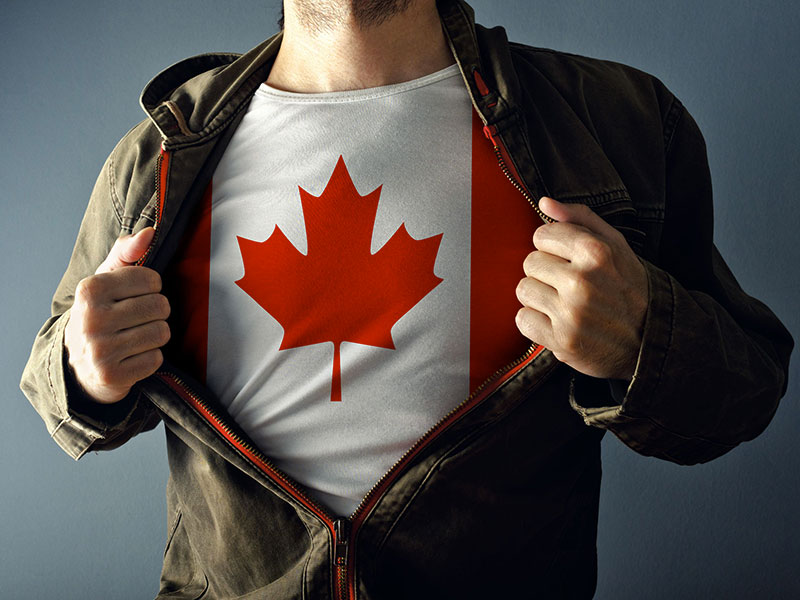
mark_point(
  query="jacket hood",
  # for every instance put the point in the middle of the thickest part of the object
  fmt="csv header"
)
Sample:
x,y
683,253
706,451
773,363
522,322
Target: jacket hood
x,y
197,97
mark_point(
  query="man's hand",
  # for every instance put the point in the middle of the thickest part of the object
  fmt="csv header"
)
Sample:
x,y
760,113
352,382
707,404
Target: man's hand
x,y
118,322
585,293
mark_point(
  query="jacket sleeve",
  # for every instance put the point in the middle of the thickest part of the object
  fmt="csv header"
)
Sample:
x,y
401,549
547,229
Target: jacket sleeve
x,y
72,419
713,362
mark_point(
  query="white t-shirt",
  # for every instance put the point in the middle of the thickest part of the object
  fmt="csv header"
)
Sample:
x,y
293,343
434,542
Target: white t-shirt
x,y
355,263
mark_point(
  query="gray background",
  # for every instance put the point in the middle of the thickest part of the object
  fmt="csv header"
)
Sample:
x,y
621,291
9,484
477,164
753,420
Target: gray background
x,y
71,74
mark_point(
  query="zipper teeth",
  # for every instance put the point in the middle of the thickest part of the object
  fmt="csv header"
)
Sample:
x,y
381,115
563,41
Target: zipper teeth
x,y
159,207
342,575
518,185
267,465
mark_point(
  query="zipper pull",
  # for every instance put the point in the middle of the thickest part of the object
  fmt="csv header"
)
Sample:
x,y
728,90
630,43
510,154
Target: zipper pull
x,y
341,533
489,131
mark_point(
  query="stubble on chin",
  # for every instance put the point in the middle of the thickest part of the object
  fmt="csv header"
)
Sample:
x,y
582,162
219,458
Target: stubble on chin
x,y
321,16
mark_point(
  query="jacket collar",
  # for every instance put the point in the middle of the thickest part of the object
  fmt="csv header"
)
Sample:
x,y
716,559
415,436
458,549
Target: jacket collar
x,y
196,98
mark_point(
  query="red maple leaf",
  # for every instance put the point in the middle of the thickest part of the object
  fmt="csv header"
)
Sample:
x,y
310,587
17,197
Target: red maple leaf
x,y
338,291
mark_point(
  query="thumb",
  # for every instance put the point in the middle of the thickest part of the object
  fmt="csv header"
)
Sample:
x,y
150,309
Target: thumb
x,y
577,214
127,250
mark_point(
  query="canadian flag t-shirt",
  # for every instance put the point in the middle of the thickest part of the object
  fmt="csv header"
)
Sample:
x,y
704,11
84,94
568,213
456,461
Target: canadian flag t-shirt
x,y
349,277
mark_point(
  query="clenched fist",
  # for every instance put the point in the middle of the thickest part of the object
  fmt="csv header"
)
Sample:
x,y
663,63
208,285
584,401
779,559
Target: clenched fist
x,y
585,293
118,322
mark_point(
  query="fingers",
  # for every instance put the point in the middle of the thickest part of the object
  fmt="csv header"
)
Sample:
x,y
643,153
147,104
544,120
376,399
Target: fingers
x,y
138,367
107,287
127,250
577,214
113,363
585,294
547,268
117,325
579,235
535,326
139,310
107,349
574,243
536,294
139,339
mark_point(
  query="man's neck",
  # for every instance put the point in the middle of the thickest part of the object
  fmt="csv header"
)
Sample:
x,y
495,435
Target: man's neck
x,y
342,55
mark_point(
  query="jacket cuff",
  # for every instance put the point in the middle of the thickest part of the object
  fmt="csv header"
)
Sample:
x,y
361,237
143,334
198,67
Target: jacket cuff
x,y
86,421
614,403
624,411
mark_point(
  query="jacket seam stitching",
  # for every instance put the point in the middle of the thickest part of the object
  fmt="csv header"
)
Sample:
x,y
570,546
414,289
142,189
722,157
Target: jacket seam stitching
x,y
304,589
421,485
112,184
616,194
56,338
308,554
671,123
173,528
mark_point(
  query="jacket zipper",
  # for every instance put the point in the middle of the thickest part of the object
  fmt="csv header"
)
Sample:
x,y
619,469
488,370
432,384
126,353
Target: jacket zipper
x,y
475,398
343,530
338,527
162,171
244,447
507,165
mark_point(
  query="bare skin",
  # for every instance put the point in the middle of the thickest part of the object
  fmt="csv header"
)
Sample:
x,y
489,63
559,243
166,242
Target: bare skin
x,y
325,49
117,323
585,293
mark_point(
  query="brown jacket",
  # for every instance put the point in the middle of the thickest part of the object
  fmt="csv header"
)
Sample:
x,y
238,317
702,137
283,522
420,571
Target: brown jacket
x,y
500,499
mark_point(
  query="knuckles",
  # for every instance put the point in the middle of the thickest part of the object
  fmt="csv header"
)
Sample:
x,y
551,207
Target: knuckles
x,y
577,291
90,289
595,253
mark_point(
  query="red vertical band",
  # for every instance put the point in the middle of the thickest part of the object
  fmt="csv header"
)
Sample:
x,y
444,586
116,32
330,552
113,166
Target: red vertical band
x,y
501,237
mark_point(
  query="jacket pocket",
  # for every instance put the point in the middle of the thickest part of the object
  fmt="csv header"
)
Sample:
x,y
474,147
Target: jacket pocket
x,y
181,577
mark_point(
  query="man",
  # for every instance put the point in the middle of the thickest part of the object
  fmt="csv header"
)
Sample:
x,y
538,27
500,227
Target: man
x,y
346,220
